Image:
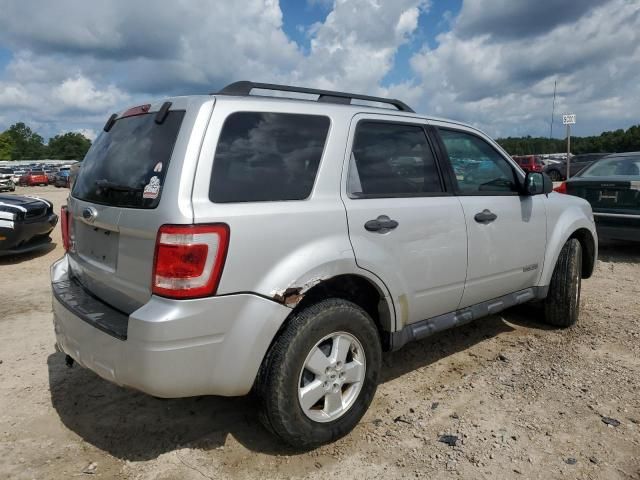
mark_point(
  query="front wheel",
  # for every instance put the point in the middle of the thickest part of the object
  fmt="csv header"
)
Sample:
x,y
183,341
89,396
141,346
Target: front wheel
x,y
562,305
321,374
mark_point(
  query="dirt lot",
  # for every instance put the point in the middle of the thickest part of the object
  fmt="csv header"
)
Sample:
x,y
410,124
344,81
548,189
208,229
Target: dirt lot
x,y
525,401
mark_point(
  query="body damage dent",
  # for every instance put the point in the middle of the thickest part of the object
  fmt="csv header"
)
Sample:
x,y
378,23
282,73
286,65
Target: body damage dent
x,y
291,296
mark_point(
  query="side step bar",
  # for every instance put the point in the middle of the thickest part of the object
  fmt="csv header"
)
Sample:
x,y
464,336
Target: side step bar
x,y
426,328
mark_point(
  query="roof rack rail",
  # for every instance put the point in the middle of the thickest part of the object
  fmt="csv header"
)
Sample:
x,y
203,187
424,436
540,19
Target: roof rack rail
x,y
243,89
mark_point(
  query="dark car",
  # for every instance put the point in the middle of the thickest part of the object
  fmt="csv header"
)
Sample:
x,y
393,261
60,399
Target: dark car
x,y
529,163
51,173
62,178
25,223
558,171
612,186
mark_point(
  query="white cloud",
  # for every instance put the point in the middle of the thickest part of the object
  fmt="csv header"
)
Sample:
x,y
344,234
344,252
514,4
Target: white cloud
x,y
81,94
75,62
354,48
88,133
505,84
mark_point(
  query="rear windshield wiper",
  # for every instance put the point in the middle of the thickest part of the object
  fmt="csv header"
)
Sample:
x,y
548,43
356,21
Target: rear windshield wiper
x,y
107,185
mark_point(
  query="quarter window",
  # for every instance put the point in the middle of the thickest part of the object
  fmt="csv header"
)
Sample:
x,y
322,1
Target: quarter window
x,y
267,157
478,168
391,160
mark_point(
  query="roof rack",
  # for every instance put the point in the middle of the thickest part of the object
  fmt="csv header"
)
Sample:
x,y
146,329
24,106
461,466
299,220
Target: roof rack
x,y
243,89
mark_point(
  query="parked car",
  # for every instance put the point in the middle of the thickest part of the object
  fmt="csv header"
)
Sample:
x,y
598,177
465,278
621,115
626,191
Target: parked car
x,y
25,223
529,163
213,247
62,178
51,174
17,174
34,177
558,171
6,180
612,186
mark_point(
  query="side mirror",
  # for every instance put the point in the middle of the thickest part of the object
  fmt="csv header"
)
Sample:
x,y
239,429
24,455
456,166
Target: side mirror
x,y
547,183
536,183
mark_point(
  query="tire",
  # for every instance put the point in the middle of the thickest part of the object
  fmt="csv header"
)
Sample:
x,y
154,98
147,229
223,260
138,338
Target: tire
x,y
562,305
284,376
555,175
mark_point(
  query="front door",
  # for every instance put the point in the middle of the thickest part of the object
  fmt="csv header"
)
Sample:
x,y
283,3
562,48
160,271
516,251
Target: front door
x,y
506,231
403,224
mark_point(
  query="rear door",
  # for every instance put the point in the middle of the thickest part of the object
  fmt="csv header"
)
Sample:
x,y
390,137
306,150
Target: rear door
x,y
404,225
136,177
506,231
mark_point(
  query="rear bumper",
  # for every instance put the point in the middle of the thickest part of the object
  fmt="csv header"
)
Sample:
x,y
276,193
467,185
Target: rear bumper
x,y
618,226
173,348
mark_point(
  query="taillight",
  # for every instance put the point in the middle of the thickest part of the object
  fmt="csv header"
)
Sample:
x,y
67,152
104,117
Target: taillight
x,y
562,188
189,260
64,226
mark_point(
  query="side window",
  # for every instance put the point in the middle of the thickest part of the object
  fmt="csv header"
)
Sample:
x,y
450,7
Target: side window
x,y
391,160
267,157
478,168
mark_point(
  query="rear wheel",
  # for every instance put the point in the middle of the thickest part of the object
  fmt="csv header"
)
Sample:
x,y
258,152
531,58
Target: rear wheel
x,y
320,375
562,305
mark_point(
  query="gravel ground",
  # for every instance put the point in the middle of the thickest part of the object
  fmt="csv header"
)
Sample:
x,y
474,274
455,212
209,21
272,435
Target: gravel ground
x,y
518,400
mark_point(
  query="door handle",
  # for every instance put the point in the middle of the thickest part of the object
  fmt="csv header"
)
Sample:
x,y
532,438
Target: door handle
x,y
382,224
485,216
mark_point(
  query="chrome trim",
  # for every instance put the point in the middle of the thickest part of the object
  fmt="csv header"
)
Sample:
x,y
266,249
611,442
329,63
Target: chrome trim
x,y
616,215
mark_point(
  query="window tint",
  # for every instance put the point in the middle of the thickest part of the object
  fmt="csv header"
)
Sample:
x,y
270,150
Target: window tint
x,y
126,166
477,166
267,157
391,160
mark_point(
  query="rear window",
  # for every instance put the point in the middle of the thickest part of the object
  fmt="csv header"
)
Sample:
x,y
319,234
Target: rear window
x,y
126,166
37,172
614,167
267,157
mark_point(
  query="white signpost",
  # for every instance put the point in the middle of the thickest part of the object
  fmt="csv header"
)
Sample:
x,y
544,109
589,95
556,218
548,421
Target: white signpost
x,y
568,120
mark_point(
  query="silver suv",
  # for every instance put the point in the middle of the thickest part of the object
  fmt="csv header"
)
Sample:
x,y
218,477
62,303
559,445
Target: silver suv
x,y
222,244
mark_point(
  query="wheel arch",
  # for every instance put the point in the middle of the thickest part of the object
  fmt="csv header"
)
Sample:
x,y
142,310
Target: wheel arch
x,y
570,226
368,294
588,244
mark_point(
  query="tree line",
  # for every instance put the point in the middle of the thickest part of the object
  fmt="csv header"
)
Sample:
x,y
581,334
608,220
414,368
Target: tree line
x,y
19,142
607,142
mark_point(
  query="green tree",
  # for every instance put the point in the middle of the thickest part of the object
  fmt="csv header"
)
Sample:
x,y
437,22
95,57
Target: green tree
x,y
607,142
27,145
69,146
6,146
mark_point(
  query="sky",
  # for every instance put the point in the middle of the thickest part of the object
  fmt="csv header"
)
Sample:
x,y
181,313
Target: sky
x,y
67,65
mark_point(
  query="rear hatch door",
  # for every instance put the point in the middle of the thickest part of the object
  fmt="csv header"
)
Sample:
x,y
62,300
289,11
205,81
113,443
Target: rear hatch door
x,y
136,177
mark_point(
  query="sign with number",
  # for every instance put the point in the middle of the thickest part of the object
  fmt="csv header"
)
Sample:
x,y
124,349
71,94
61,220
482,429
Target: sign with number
x,y
569,119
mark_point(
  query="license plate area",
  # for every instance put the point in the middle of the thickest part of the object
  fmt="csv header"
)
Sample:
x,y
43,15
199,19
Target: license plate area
x,y
610,196
97,245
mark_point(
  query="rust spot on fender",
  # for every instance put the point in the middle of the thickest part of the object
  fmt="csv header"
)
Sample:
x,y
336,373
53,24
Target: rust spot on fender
x,y
290,297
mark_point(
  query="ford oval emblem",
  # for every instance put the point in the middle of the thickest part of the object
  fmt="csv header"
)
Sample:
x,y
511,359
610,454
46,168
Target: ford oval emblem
x,y
89,214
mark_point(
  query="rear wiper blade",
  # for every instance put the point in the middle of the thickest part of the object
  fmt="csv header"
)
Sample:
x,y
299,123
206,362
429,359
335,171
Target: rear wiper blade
x,y
107,185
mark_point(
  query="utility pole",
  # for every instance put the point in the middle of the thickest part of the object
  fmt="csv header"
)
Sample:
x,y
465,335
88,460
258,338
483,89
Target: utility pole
x,y
553,108
568,120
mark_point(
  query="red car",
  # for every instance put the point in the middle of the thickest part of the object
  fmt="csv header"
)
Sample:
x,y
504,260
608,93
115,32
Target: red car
x,y
34,177
529,163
